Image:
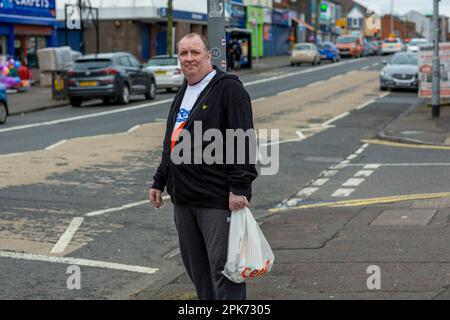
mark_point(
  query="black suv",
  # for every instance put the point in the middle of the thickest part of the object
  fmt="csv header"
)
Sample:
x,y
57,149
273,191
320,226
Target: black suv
x,y
110,77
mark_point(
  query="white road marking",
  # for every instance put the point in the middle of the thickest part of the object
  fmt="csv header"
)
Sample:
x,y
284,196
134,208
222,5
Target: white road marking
x,y
353,182
12,154
384,95
365,68
160,120
330,173
315,83
371,166
53,146
300,135
326,123
134,128
67,236
351,72
78,262
306,192
87,116
302,72
351,157
345,162
320,182
124,207
336,77
259,99
365,104
279,142
287,91
375,64
342,193
364,173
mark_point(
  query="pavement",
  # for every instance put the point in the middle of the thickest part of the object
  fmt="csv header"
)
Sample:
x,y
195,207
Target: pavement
x,y
335,252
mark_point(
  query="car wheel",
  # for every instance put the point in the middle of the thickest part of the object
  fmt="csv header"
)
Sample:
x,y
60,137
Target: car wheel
x,y
3,114
124,97
151,94
299,64
106,100
76,102
383,88
293,64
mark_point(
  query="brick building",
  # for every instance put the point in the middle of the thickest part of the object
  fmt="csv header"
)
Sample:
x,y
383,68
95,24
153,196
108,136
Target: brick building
x,y
402,28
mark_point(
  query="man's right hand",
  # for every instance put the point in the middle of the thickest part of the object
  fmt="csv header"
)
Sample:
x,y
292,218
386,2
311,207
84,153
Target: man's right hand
x,y
155,198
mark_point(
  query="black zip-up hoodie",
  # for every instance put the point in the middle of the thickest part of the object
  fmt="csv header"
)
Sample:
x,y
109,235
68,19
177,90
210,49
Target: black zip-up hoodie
x,y
223,104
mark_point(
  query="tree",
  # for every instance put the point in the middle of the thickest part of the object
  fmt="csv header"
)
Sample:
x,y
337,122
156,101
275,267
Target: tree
x,y
169,27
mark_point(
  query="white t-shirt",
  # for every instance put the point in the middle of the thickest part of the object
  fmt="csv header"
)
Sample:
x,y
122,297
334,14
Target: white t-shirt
x,y
190,96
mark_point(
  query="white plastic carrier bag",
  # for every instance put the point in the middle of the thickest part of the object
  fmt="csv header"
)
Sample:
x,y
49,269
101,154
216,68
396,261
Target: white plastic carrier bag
x,y
249,254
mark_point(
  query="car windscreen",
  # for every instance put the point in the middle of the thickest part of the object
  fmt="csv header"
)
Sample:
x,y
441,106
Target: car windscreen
x,y
302,47
91,64
392,41
162,62
346,40
404,59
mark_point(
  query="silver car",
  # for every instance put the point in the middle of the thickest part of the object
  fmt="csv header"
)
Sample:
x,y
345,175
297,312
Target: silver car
x,y
167,71
401,72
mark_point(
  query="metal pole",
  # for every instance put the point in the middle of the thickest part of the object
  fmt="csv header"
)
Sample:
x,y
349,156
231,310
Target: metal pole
x,y
97,27
82,46
216,33
392,16
435,100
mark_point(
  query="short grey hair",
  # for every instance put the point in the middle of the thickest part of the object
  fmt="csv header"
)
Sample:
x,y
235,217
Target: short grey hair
x,y
193,35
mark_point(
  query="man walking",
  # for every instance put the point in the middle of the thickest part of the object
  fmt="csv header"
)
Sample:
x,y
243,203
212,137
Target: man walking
x,y
204,195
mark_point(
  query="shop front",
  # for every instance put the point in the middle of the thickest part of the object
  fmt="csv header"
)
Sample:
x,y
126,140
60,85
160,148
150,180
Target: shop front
x,y
236,31
255,23
25,27
277,34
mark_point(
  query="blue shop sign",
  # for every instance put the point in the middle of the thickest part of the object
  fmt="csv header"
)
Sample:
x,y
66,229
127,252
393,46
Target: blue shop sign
x,y
280,17
238,18
183,15
29,8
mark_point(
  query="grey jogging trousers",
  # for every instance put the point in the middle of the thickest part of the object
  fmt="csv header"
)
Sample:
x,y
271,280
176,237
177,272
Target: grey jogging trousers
x,y
203,236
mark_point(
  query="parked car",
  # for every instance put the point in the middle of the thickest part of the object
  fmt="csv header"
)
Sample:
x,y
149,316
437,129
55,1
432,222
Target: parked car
x,y
109,76
4,112
350,46
414,44
401,72
305,53
167,71
392,45
328,51
376,46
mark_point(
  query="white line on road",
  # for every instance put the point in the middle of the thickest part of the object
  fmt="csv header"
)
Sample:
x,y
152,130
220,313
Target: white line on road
x,y
87,116
364,173
353,182
78,262
365,104
53,146
300,134
124,207
302,72
286,92
371,166
329,173
12,154
336,77
342,193
160,120
306,192
259,99
134,128
320,182
336,118
315,83
375,64
365,68
351,72
384,94
65,239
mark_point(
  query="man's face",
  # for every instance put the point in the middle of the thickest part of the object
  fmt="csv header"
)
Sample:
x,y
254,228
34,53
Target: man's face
x,y
195,60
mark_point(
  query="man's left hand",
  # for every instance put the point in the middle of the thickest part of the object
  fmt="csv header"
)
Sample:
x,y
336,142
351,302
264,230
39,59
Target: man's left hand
x,y
236,202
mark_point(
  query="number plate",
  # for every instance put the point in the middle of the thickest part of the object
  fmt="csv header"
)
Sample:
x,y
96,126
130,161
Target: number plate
x,y
160,72
88,83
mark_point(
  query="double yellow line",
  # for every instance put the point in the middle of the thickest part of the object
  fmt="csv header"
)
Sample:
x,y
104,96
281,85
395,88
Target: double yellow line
x,y
365,202
405,145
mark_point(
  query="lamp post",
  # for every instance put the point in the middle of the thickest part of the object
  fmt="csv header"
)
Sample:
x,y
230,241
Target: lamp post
x,y
435,99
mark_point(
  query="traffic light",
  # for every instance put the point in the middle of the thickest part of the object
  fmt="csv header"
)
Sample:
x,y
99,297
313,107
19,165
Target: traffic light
x,y
323,7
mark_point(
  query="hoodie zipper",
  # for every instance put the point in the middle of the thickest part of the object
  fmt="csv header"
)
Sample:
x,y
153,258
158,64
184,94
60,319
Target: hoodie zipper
x,y
195,109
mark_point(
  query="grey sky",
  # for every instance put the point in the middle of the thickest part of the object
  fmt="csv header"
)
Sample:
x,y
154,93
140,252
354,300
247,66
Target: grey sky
x,y
403,6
